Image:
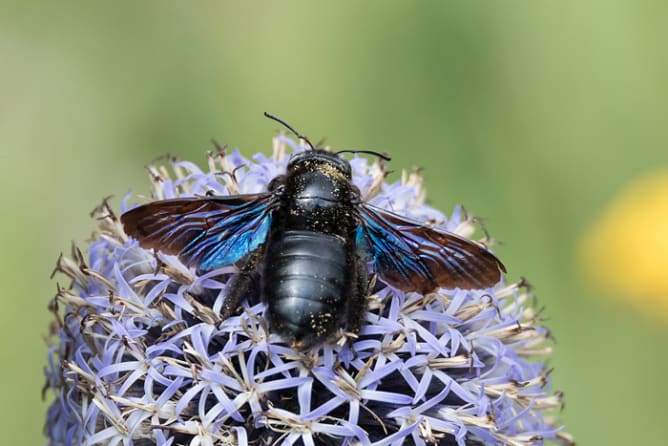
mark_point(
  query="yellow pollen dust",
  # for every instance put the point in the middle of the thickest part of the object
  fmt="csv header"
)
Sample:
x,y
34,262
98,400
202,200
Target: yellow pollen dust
x,y
626,250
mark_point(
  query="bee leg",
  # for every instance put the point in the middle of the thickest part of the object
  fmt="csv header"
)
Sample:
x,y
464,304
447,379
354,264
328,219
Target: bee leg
x,y
358,302
242,285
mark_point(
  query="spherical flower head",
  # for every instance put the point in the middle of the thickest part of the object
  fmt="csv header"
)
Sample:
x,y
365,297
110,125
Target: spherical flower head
x,y
141,355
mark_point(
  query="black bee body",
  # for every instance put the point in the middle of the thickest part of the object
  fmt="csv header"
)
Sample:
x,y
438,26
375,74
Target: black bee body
x,y
310,270
308,238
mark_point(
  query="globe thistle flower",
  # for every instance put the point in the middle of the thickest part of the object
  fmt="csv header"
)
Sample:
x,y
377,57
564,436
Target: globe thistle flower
x,y
142,357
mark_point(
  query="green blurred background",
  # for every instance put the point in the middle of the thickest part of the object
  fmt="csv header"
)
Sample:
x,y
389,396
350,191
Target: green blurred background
x,y
533,114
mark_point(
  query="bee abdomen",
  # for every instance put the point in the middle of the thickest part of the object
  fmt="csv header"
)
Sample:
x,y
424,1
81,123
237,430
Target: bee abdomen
x,y
307,278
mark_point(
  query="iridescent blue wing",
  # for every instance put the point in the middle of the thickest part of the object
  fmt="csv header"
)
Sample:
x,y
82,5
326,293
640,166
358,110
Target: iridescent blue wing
x,y
411,256
206,232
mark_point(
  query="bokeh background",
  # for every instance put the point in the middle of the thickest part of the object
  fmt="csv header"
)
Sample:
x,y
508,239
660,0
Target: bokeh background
x,y
537,116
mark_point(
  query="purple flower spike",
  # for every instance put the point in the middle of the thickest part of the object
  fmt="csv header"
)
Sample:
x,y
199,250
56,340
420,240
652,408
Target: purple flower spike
x,y
141,355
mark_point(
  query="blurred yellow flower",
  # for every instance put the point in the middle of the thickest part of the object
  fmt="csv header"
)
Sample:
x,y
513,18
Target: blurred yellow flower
x,y
626,250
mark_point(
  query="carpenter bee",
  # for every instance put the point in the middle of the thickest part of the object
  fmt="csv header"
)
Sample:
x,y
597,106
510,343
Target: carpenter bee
x,y
307,241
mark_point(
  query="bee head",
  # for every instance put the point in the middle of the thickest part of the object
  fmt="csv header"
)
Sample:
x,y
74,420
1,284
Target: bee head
x,y
319,159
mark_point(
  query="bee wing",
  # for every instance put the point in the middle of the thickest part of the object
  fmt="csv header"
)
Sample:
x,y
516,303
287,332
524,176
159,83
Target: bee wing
x,y
413,257
206,232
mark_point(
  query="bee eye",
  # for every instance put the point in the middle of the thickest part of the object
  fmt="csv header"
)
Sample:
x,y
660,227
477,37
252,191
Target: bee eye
x,y
275,183
355,195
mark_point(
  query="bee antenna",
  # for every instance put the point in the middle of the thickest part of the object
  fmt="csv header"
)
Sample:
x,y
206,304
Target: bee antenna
x,y
285,124
384,156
